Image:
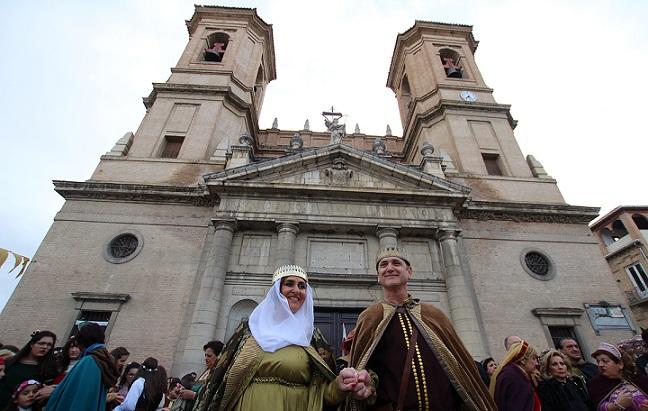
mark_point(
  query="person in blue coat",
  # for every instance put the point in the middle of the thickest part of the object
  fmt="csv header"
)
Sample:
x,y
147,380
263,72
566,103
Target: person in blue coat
x,y
86,385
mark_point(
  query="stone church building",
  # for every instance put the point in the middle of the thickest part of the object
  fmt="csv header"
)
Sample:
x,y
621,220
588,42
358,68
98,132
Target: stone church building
x,y
174,237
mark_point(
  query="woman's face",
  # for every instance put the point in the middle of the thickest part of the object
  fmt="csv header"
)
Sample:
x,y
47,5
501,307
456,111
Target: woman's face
x,y
608,367
530,365
27,397
210,358
41,347
294,289
74,352
121,361
558,368
130,376
491,367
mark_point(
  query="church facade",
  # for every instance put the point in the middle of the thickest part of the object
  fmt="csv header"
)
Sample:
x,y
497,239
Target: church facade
x,y
174,237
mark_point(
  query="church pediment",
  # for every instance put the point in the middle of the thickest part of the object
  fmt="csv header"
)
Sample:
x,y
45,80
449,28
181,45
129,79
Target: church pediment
x,y
334,168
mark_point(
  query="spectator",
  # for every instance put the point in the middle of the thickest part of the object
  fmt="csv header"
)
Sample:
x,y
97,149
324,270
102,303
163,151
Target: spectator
x,y
120,355
24,397
174,388
212,351
642,360
70,355
33,362
2,367
512,384
617,387
488,366
8,351
148,391
85,387
127,378
559,390
510,340
572,351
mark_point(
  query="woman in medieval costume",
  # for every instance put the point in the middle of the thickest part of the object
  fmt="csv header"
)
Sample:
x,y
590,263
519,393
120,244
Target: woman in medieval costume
x,y
279,361
617,387
513,385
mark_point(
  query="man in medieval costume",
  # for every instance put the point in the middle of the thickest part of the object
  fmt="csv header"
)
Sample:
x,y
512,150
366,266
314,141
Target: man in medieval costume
x,y
413,351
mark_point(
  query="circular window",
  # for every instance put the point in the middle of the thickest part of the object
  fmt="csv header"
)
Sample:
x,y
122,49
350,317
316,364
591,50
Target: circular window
x,y
123,247
537,264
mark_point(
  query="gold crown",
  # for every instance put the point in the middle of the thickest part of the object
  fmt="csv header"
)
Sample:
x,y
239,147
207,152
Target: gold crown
x,y
289,270
391,252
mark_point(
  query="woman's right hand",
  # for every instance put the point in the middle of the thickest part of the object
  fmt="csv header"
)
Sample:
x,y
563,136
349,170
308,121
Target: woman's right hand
x,y
624,399
359,383
186,394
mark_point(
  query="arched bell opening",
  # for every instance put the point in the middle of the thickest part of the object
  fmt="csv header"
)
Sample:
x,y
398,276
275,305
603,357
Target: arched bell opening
x,y
451,63
216,46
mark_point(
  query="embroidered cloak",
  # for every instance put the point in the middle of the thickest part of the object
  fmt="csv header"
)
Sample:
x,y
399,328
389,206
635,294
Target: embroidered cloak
x,y
440,336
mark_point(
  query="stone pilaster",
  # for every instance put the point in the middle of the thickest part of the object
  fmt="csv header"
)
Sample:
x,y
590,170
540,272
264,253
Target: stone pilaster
x,y
210,296
388,237
463,311
287,234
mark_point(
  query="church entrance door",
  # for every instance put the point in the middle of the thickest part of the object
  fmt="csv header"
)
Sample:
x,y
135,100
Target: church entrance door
x,y
335,323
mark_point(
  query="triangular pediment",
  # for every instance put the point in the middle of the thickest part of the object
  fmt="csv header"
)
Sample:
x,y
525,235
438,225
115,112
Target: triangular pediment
x,y
335,167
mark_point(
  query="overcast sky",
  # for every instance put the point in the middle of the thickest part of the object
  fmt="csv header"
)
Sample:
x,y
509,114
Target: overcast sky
x,y
73,74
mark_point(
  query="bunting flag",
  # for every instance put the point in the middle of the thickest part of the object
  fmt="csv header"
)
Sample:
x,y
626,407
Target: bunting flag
x,y
20,260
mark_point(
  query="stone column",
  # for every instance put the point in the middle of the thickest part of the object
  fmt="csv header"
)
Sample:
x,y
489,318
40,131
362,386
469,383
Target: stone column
x,y
210,296
388,237
286,234
462,304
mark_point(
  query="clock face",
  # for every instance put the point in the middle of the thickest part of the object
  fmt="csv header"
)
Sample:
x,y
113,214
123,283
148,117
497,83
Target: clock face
x,y
468,96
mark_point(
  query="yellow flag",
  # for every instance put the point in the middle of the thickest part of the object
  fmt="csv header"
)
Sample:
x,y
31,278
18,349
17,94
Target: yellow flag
x,y
22,270
18,258
3,256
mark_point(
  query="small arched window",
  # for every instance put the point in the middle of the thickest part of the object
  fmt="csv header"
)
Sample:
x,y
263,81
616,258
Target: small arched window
x,y
606,236
258,83
216,46
618,230
640,221
405,93
450,60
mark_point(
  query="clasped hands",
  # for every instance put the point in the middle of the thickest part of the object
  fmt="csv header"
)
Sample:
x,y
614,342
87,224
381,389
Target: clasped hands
x,y
357,383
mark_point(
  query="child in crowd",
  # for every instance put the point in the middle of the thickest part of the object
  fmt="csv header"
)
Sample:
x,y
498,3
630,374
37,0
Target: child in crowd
x,y
24,398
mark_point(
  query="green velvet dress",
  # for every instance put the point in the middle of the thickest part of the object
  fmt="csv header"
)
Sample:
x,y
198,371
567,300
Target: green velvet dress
x,y
282,382
293,378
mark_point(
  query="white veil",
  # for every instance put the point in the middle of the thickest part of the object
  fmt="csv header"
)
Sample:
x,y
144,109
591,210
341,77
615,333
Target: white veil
x,y
273,324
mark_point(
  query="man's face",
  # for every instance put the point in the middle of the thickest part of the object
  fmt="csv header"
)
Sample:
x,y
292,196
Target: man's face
x,y
571,349
393,272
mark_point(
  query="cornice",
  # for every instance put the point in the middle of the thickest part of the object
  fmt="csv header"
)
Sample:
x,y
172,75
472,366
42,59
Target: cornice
x,y
140,193
558,312
527,212
194,89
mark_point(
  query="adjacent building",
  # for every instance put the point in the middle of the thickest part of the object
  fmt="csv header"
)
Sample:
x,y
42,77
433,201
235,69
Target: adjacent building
x,y
174,237
623,238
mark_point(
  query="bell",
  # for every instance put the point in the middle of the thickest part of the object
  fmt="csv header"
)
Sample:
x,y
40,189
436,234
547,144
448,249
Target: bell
x,y
453,72
212,55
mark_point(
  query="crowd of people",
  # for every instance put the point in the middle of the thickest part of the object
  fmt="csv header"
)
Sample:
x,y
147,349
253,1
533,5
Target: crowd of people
x,y
401,355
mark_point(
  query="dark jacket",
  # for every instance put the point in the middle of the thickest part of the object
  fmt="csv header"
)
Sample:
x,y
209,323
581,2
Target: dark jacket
x,y
569,396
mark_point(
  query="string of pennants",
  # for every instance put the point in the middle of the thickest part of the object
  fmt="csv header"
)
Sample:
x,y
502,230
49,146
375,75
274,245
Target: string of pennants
x,y
20,260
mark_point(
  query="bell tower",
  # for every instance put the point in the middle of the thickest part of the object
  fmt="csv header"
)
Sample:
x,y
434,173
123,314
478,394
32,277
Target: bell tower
x,y
213,96
444,101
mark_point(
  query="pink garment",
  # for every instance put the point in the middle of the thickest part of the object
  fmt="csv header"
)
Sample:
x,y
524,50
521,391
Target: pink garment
x,y
638,397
